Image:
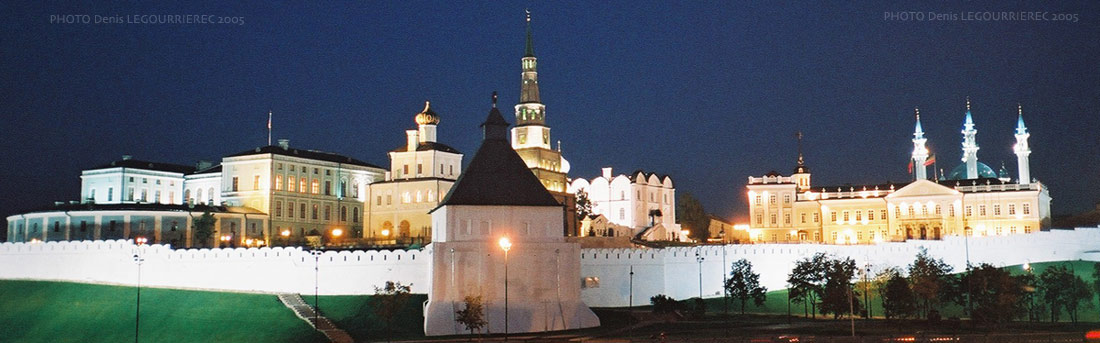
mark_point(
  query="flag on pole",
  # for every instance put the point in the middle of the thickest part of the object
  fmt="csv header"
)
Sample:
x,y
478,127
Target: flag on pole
x,y
931,160
910,166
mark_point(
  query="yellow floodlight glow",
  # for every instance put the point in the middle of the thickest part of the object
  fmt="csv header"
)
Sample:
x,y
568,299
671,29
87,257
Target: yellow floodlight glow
x,y
505,244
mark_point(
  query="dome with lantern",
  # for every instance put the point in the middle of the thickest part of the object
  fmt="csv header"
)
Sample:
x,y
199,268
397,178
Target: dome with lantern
x,y
427,116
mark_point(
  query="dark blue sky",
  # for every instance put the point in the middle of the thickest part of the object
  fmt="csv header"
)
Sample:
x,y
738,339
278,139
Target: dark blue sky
x,y
708,92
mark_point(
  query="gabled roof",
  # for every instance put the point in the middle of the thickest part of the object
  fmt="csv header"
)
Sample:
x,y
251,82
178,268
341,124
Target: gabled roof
x,y
308,154
138,164
426,146
497,176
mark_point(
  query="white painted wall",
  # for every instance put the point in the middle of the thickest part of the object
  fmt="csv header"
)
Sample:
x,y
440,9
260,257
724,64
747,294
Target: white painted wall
x,y
672,271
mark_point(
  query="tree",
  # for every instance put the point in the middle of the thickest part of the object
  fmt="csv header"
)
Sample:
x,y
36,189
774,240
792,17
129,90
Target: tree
x,y
838,296
898,300
473,315
584,205
930,279
203,227
1096,278
807,280
995,295
389,300
1055,283
693,217
663,304
744,285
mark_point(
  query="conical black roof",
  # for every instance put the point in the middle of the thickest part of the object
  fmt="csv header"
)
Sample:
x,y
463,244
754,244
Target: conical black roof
x,y
497,175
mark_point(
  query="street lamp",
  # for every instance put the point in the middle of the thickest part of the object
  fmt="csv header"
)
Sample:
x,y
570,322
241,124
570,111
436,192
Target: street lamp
x,y
137,310
336,233
1031,297
225,240
286,237
316,277
506,245
699,259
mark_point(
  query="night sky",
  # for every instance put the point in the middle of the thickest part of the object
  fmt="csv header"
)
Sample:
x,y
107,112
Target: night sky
x,y
707,92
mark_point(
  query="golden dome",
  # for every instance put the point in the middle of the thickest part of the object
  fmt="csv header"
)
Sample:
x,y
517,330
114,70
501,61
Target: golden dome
x,y
427,116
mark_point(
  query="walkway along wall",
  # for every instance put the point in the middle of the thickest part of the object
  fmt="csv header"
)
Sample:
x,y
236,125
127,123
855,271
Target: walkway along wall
x,y
674,271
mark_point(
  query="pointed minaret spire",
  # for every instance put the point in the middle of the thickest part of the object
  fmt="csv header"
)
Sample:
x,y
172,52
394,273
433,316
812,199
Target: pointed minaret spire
x,y
920,152
530,52
970,144
801,172
799,136
1021,148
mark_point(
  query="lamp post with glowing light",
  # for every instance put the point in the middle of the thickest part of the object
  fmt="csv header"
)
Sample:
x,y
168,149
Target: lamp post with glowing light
x,y
506,245
699,259
140,241
286,237
1031,297
225,240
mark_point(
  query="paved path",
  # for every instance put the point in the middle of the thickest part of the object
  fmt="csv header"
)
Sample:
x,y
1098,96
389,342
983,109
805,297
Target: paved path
x,y
322,324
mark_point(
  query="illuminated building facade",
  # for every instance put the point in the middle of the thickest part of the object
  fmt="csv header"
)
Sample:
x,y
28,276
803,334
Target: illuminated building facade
x,y
639,200
971,200
421,172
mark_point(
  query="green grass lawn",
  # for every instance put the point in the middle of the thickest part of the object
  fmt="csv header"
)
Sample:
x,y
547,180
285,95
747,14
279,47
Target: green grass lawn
x,y
356,315
38,311
777,300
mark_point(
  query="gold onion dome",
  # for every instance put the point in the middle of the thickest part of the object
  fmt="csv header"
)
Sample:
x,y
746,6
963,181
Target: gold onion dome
x,y
427,116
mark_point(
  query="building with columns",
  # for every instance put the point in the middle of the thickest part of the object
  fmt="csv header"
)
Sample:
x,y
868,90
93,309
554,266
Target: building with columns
x,y
421,172
971,200
531,139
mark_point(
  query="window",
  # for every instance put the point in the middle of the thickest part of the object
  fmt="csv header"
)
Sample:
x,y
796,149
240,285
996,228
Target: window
x,y
1012,230
290,182
156,197
56,226
981,210
759,219
897,212
83,226
775,237
316,186
405,170
1011,209
834,236
302,208
802,216
389,199
1027,229
110,194
302,184
343,213
870,214
998,231
355,214
969,211
923,210
622,195
130,194
378,201
786,198
328,187
234,186
314,216
328,172
937,209
622,214
786,218
290,209
144,180
328,212
171,196
279,166
1027,208
419,169
639,197
816,215
773,218
110,226
845,215
832,216
278,208
817,236
255,182
771,199
859,235
144,195
278,182
758,200
951,211
996,209
316,171
859,215
911,211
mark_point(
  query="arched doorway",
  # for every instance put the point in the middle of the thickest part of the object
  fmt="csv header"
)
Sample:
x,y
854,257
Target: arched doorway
x,y
923,232
908,232
403,230
801,236
936,233
387,230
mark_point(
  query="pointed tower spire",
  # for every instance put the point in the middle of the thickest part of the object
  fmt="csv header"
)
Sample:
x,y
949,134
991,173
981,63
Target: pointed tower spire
x,y
801,172
920,152
1021,148
530,52
970,144
495,127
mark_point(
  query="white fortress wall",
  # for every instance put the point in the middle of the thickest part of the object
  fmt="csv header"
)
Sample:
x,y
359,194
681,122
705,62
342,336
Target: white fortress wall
x,y
675,271
266,270
672,271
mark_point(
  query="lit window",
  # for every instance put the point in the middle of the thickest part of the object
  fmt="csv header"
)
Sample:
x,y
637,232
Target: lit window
x,y
773,218
1027,208
328,212
302,207
314,216
996,209
759,219
883,216
816,215
758,200
1011,209
235,182
870,214
859,215
981,210
316,186
279,208
832,216
786,198
802,217
256,182
845,215
278,182
786,218
771,199
969,211
290,182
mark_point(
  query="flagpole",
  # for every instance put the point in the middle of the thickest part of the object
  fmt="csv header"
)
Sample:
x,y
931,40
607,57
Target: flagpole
x,y
268,127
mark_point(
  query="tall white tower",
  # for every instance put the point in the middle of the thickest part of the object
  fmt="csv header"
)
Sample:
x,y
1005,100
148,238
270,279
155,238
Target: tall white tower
x,y
970,145
920,153
1021,148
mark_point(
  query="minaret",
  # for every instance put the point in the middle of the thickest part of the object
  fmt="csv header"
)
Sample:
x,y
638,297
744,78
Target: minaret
x,y
970,145
920,153
1021,148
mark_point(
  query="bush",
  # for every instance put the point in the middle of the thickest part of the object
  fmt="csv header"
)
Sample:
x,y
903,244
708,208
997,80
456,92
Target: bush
x,y
663,304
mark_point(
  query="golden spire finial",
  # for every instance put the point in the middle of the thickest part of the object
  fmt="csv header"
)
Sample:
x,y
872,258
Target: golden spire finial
x,y
427,105
528,14
917,110
968,103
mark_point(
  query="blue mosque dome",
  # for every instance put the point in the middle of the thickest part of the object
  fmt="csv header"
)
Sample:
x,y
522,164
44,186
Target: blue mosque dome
x,y
959,173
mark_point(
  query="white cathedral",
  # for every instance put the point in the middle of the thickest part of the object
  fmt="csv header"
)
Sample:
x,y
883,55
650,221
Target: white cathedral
x,y
971,200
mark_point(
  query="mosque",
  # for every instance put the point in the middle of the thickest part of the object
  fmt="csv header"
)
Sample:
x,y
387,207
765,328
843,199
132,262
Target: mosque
x,y
971,200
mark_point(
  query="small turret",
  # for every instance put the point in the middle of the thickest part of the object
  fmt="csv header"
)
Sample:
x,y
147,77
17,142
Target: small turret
x,y
1021,148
